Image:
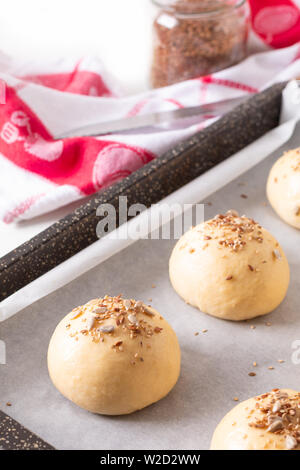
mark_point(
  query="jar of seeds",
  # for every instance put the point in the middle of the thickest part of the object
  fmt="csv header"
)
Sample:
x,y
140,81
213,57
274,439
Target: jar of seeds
x,y
193,38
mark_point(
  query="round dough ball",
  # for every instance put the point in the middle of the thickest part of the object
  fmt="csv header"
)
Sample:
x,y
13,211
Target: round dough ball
x,y
230,267
267,422
114,356
283,187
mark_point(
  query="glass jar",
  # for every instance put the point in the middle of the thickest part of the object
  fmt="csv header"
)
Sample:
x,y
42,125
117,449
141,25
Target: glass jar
x,y
193,38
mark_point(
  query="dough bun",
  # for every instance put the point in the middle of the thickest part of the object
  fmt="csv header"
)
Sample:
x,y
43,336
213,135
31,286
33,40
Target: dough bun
x,y
283,187
230,267
114,356
267,422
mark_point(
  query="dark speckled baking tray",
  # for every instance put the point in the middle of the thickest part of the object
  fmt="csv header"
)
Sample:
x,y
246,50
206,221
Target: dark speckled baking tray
x,y
13,436
149,185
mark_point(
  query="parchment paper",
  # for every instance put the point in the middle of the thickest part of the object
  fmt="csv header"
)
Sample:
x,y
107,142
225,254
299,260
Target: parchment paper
x,y
215,364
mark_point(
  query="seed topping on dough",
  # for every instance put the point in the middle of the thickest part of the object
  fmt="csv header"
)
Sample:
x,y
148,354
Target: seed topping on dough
x,y
236,230
148,312
107,329
291,442
124,315
233,232
132,318
90,322
280,414
100,310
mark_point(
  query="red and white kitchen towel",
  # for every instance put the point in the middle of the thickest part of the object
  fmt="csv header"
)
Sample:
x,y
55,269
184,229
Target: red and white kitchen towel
x,y
39,174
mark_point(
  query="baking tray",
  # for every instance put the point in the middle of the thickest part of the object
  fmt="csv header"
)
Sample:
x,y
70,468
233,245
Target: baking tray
x,y
149,185
13,436
215,363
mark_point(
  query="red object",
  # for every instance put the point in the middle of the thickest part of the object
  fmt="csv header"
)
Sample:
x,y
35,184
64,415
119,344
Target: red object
x,y
276,22
83,162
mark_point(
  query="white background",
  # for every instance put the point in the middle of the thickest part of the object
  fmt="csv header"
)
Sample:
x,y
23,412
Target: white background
x,y
118,31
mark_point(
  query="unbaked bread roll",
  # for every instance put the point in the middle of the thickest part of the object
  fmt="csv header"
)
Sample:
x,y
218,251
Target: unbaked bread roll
x,y
267,422
230,267
114,356
283,187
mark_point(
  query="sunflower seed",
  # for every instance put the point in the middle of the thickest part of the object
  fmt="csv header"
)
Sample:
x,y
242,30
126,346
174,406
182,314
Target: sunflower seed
x,y
290,442
90,322
138,304
99,310
275,425
133,319
107,329
148,312
276,407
